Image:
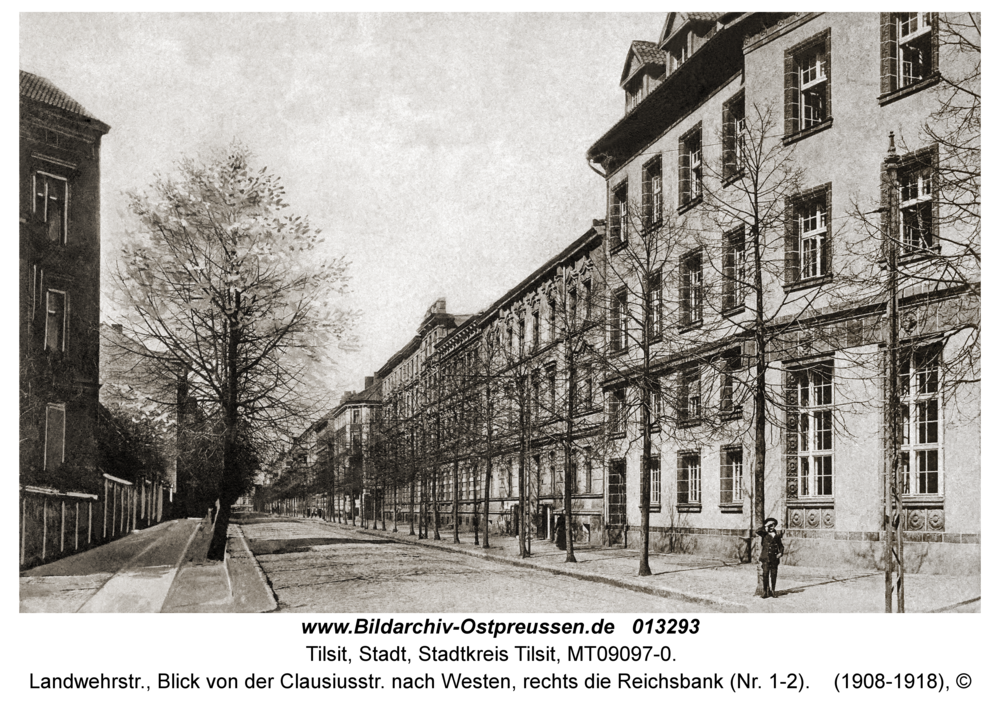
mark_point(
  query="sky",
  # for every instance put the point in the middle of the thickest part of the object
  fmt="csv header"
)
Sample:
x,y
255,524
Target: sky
x,y
442,154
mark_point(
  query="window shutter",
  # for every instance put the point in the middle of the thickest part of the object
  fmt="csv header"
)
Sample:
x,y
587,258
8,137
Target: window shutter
x,y
934,43
682,482
728,142
728,272
791,438
791,95
683,173
791,245
829,77
826,263
647,197
889,80
683,295
615,219
932,159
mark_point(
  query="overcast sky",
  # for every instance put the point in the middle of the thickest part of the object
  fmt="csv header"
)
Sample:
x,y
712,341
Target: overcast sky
x,y
442,154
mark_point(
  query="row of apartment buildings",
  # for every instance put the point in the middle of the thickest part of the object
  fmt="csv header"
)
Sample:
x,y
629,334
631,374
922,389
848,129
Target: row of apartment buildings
x,y
725,331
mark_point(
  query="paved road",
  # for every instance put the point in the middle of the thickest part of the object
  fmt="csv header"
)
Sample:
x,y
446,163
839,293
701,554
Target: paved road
x,y
320,567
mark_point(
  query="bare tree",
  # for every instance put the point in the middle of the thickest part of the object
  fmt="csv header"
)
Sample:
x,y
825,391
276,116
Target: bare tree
x,y
223,283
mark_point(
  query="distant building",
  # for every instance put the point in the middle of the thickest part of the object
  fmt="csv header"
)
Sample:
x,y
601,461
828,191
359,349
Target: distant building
x,y
59,274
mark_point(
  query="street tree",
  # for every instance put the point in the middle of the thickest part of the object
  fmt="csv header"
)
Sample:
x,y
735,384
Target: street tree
x,y
222,282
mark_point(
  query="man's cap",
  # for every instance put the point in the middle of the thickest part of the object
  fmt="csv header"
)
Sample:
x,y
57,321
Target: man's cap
x,y
769,520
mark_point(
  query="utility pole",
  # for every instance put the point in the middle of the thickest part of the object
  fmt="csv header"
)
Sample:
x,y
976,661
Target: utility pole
x,y
893,553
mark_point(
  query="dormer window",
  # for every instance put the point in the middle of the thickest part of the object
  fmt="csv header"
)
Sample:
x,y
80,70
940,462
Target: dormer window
x,y
679,51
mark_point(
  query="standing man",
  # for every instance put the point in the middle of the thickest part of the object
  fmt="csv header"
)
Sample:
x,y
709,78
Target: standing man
x,y
771,550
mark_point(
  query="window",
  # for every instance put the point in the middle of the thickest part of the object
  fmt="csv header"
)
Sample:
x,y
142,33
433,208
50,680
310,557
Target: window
x,y
920,408
521,335
807,84
618,334
679,51
812,391
571,306
50,204
585,471
734,127
551,323
691,289
616,411
55,435
909,52
618,218
688,478
654,481
550,380
536,330
917,227
731,475
730,402
652,193
55,320
584,388
807,239
689,395
654,298
690,166
733,269
556,472
656,401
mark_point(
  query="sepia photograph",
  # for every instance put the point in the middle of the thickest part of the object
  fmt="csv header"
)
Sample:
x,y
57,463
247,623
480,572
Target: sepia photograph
x,y
376,314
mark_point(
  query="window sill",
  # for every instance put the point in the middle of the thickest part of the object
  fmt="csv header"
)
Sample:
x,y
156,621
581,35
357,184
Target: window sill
x,y
808,132
618,246
887,98
924,501
690,327
732,178
733,415
655,508
649,228
731,507
806,284
688,205
916,255
733,311
810,502
685,424
688,508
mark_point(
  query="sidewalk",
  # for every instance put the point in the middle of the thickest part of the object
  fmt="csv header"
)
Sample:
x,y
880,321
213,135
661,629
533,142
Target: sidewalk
x,y
156,570
723,585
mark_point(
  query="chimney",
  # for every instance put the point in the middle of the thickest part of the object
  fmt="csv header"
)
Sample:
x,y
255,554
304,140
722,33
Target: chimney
x,y
117,328
369,382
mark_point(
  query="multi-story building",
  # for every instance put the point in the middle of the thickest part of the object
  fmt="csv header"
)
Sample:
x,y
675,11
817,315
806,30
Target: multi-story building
x,y
751,134
347,455
59,264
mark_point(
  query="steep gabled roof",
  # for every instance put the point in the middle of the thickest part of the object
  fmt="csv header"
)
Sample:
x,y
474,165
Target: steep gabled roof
x,y
38,88
677,20
641,54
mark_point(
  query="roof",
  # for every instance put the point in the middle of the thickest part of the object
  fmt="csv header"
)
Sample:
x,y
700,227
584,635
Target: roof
x,y
677,20
646,53
38,88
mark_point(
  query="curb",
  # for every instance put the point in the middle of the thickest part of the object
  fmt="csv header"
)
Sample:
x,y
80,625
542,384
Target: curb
x,y
665,592
271,598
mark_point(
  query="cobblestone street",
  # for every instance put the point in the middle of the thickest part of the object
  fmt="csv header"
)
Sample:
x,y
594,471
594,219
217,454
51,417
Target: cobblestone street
x,y
315,566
